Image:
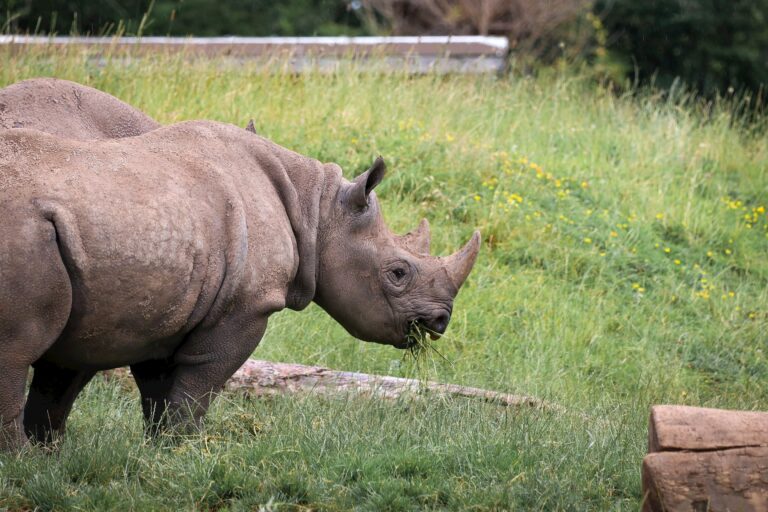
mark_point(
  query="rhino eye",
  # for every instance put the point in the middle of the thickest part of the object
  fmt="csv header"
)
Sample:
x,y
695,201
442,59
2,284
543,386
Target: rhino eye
x,y
398,273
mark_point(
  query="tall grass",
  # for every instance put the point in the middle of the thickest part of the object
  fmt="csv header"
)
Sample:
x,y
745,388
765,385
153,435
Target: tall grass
x,y
623,264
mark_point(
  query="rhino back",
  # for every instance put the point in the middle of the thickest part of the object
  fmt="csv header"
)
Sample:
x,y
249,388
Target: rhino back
x,y
155,236
70,110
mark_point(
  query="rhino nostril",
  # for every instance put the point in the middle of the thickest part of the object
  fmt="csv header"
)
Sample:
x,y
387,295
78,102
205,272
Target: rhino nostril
x,y
439,323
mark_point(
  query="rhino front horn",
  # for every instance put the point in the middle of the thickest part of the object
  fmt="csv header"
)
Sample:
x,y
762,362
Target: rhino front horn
x,y
460,263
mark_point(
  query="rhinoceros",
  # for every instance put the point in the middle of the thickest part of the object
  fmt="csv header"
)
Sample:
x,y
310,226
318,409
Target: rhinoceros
x,y
169,251
70,110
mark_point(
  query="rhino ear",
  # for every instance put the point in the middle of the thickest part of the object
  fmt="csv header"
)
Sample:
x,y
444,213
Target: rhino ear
x,y
251,128
363,184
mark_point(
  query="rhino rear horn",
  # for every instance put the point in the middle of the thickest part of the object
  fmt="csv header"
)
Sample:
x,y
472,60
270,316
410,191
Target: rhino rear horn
x,y
366,182
418,240
251,127
460,263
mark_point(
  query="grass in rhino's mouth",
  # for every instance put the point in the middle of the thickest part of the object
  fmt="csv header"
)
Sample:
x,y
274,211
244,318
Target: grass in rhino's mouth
x,y
419,343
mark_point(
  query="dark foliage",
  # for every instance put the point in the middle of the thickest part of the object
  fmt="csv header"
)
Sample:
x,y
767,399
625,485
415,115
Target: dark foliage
x,y
182,17
711,45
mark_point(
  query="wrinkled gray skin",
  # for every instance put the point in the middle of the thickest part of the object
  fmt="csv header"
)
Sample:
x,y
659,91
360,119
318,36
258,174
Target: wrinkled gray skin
x,y
168,252
70,110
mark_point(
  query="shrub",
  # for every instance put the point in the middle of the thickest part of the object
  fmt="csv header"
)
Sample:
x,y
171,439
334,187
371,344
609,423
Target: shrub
x,y
533,26
182,17
711,45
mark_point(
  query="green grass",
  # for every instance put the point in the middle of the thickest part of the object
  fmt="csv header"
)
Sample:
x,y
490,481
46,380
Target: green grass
x,y
623,265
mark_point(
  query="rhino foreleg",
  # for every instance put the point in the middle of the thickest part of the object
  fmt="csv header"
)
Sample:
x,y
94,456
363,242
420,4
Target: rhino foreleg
x,y
207,358
51,395
154,379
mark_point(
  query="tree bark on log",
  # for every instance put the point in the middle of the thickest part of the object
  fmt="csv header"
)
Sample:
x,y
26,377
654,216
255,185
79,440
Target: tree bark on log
x,y
265,378
268,378
706,460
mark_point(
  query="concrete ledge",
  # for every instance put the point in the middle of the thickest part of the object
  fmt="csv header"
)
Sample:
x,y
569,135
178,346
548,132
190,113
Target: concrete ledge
x,y
467,54
423,45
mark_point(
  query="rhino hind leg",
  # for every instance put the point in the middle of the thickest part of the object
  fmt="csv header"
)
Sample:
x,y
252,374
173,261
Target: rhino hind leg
x,y
13,383
35,303
51,395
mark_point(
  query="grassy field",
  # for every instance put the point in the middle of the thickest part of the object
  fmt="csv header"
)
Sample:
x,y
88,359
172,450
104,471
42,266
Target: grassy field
x,y
624,264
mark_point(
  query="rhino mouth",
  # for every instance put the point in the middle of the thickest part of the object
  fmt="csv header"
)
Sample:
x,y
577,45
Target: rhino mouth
x,y
417,335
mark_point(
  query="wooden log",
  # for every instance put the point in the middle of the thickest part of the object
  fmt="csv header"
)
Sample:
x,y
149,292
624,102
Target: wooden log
x,y
265,378
679,427
706,460
268,378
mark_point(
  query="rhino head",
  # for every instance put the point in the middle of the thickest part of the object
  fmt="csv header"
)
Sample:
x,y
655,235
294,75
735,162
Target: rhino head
x,y
380,286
